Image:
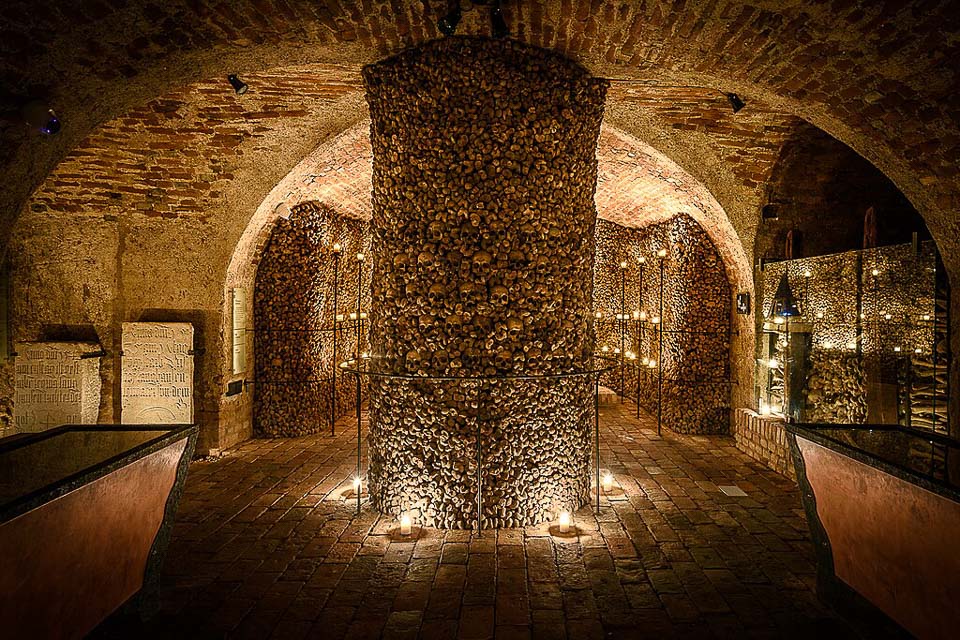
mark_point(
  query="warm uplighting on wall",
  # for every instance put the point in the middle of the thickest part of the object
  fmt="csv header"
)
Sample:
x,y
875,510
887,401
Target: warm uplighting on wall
x,y
607,482
405,525
357,485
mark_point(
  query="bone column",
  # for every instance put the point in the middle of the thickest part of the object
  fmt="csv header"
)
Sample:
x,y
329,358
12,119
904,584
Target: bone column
x,y
484,172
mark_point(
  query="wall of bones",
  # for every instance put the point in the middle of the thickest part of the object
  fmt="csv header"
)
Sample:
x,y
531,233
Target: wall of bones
x,y
294,319
483,221
696,317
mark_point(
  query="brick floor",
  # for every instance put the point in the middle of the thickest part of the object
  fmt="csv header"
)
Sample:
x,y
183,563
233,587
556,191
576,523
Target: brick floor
x,y
263,547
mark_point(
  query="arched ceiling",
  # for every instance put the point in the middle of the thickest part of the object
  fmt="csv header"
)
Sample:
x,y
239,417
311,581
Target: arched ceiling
x,y
879,76
636,186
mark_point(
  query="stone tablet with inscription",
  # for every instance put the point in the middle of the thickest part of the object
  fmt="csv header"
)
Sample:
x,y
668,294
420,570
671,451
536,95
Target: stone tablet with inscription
x,y
157,373
55,384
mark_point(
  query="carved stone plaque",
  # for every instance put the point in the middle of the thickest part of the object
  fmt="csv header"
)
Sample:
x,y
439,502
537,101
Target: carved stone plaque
x,y
157,373
55,385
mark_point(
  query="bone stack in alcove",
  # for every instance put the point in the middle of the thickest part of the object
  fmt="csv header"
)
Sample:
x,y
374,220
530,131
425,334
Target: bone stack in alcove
x,y
294,315
484,172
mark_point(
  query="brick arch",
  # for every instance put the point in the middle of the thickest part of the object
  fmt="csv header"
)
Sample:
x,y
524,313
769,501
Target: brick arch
x,y
878,76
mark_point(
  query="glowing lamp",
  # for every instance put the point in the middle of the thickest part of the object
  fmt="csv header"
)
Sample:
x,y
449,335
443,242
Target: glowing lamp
x,y
337,248
642,260
599,315
623,265
356,485
886,316
604,348
636,315
405,525
875,272
643,315
896,349
339,317
565,522
851,345
918,350
772,363
646,361
652,364
807,274
661,253
820,314
926,316
353,316
655,320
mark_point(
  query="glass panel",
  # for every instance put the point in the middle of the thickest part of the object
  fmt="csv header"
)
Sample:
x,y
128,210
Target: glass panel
x,y
869,345
34,466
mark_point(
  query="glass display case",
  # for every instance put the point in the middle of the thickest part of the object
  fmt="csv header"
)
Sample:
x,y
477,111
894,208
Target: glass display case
x,y
868,343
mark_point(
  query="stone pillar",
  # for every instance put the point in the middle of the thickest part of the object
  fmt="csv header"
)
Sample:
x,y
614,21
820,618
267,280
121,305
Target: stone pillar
x,y
484,170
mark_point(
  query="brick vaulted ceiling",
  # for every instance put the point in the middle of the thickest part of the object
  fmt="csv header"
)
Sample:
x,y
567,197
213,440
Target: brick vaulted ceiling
x,y
879,76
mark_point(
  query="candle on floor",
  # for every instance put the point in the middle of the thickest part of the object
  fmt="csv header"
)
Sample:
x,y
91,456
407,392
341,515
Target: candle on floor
x,y
607,483
564,522
405,524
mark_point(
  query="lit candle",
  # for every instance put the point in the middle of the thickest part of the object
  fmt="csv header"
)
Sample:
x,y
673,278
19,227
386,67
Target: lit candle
x,y
896,349
405,524
926,317
359,257
337,248
623,265
642,260
918,350
607,483
643,315
875,272
662,253
564,522
636,315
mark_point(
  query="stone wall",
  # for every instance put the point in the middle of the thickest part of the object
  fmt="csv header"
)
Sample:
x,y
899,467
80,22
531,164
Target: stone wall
x,y
764,439
294,317
696,320
484,174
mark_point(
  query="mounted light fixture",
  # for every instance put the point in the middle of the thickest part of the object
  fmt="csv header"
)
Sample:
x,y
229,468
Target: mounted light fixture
x,y
784,304
736,102
38,115
498,25
238,85
448,23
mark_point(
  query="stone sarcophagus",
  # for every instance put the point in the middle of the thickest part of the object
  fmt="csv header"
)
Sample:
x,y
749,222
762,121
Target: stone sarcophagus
x,y
484,171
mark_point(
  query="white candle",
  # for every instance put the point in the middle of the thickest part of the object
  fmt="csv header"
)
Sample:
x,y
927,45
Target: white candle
x,y
607,483
336,247
564,522
405,525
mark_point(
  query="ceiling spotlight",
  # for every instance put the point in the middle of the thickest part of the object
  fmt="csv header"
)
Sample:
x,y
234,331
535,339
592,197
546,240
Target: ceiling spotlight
x,y
38,115
497,24
238,85
448,23
736,102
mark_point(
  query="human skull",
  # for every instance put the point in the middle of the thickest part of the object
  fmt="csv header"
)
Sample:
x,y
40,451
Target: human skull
x,y
499,295
482,264
425,260
514,326
435,294
435,231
